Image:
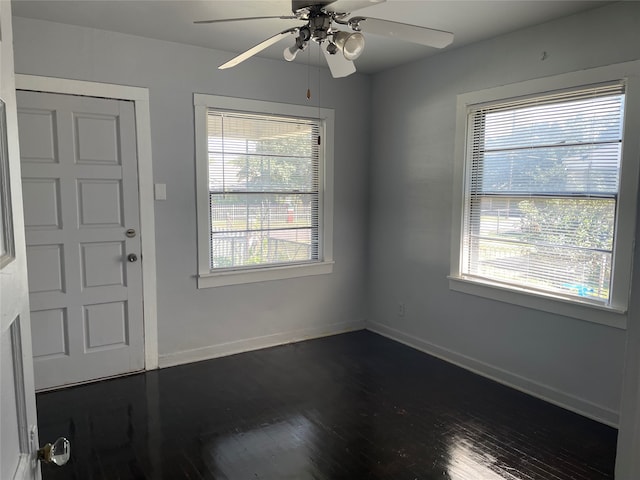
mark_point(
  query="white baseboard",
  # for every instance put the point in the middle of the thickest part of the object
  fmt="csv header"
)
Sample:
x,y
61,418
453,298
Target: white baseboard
x,y
256,343
530,387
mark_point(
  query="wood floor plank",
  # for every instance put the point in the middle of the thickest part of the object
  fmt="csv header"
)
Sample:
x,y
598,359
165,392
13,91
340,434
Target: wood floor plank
x,y
351,406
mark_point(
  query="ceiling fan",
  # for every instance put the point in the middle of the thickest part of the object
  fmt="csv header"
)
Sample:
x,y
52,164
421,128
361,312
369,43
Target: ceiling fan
x,y
323,19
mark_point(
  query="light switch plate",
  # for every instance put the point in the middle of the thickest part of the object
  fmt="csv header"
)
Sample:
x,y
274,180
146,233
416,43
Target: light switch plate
x,y
161,191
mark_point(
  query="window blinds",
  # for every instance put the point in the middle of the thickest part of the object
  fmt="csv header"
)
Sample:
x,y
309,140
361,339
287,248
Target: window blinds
x,y
264,177
541,191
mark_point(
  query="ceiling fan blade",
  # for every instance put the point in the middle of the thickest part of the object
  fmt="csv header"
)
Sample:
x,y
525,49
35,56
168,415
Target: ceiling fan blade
x,y
297,5
257,49
223,20
404,31
339,66
348,6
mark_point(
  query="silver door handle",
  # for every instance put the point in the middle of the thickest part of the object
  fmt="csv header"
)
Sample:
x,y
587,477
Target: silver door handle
x,y
58,453
132,257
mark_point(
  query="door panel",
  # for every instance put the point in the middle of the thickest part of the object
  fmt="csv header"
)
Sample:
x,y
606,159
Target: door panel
x,y
10,431
97,140
99,203
102,264
43,211
106,326
50,333
48,275
79,171
42,149
18,433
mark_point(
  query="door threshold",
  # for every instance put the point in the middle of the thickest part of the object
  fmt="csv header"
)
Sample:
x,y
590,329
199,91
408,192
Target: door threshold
x,y
85,382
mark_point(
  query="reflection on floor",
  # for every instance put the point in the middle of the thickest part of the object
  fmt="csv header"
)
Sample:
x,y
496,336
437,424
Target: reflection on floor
x,y
352,406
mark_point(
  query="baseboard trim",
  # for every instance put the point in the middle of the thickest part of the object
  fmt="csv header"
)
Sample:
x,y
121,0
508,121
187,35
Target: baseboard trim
x,y
256,343
544,392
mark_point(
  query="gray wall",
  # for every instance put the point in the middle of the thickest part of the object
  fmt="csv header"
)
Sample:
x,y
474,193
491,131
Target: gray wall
x,y
188,318
568,361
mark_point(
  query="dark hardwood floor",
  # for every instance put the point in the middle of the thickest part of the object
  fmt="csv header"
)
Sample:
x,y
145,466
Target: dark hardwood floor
x,y
352,406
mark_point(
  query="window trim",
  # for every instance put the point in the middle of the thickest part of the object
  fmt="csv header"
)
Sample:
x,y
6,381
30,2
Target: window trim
x,y
613,315
208,278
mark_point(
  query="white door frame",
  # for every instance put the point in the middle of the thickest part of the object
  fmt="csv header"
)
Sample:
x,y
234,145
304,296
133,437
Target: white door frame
x,y
140,97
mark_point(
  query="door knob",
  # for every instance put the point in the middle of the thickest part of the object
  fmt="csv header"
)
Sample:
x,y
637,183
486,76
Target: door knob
x,y
132,257
58,453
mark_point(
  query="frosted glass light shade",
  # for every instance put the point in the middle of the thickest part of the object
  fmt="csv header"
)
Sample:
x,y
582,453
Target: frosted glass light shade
x,y
290,53
350,44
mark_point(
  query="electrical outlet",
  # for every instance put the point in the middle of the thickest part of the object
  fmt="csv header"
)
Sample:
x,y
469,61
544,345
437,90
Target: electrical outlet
x,y
400,309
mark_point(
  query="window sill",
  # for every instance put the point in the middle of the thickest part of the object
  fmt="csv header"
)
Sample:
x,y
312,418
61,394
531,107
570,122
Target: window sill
x,y
238,277
610,316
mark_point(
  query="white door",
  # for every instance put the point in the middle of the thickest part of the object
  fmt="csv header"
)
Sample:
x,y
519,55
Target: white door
x,y
80,191
18,437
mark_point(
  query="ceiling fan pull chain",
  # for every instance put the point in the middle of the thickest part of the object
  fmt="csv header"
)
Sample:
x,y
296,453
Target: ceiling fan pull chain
x,y
320,46
309,74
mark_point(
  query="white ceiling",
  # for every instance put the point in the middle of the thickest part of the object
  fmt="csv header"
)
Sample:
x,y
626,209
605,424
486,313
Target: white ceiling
x,y
469,20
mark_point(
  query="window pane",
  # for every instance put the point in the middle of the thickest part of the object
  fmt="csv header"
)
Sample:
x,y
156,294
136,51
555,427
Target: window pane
x,y
6,229
245,249
582,121
585,223
562,244
567,271
244,212
257,173
575,169
263,189
270,135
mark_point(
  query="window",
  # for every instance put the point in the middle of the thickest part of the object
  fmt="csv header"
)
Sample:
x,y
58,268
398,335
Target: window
x,y
542,191
263,190
541,211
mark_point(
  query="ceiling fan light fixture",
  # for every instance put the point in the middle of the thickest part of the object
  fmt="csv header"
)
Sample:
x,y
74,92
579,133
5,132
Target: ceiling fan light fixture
x,y
350,44
291,52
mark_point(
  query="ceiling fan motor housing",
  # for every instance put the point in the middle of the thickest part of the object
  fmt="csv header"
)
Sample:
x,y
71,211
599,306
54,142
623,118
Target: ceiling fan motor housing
x,y
319,23
297,6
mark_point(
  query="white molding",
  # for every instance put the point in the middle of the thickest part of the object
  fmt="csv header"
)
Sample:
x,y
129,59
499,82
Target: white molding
x,y
257,343
80,87
202,189
601,315
147,233
539,390
140,97
254,275
627,458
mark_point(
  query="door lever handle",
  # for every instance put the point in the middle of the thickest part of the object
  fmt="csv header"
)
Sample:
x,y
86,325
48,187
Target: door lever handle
x,y
58,453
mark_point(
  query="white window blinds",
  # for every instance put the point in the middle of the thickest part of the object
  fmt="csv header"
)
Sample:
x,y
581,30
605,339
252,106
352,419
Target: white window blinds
x,y
541,191
264,177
